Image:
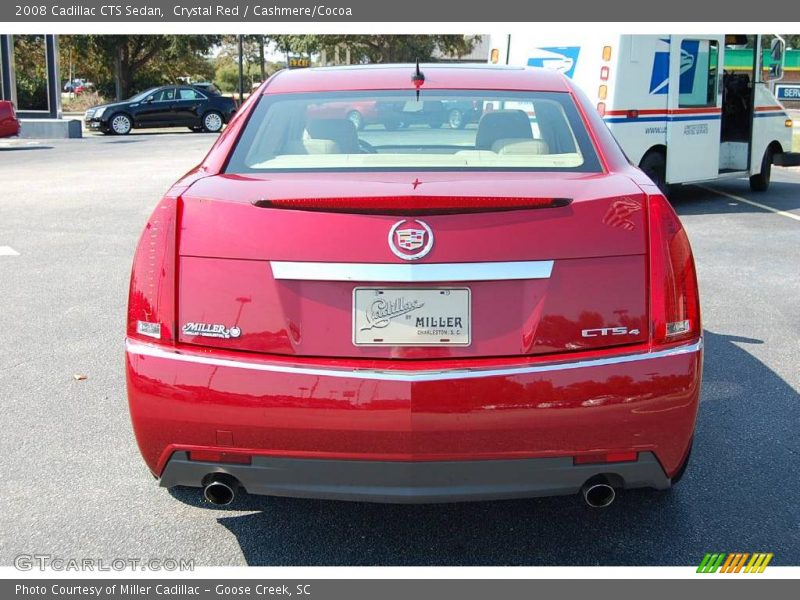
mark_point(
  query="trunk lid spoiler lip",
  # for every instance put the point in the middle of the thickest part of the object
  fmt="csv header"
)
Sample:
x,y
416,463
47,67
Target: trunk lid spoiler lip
x,y
413,205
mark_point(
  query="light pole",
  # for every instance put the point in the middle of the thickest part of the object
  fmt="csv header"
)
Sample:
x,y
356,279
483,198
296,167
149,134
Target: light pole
x,y
241,69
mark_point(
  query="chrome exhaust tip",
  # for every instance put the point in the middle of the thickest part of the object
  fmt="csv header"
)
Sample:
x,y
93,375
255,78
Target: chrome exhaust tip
x,y
220,490
598,495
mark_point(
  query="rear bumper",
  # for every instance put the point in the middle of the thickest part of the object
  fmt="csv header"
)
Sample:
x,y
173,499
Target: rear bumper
x,y
416,482
339,424
787,159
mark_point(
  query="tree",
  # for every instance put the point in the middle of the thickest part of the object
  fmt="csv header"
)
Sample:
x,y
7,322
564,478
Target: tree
x,y
379,48
139,60
226,62
406,48
31,68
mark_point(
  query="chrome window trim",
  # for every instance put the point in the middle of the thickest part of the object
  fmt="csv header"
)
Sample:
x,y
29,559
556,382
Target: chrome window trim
x,y
149,350
412,273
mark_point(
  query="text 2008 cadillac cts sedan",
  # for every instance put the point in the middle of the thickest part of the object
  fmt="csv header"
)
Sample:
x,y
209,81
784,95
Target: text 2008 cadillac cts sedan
x,y
503,310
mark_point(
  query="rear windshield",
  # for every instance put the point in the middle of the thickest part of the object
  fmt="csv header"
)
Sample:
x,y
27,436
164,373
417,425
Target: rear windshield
x,y
393,130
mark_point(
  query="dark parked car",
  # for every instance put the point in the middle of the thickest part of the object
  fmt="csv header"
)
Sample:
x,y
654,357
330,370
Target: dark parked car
x,y
166,106
462,113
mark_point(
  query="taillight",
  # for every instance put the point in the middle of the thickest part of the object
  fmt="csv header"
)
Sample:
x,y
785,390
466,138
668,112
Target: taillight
x,y
674,303
151,299
417,205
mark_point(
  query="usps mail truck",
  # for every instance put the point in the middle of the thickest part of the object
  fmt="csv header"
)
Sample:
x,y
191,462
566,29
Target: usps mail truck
x,y
667,99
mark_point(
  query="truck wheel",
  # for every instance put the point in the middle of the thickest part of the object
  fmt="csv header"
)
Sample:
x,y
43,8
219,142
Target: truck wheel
x,y
654,165
760,182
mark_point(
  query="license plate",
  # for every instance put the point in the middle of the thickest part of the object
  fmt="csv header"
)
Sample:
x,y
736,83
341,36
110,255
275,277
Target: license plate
x,y
411,317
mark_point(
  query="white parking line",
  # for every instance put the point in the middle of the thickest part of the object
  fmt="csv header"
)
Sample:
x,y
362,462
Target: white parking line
x,y
782,213
8,251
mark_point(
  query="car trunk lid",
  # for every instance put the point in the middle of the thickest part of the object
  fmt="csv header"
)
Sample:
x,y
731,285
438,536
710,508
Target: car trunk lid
x,y
332,279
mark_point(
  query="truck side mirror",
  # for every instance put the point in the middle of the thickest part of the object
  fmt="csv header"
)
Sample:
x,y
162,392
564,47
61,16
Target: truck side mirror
x,y
776,49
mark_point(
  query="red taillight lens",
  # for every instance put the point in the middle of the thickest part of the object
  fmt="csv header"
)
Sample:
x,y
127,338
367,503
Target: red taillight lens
x,y
413,205
151,299
675,303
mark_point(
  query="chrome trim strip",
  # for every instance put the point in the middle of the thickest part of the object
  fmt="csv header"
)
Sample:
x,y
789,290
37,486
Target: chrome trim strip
x,y
411,273
142,349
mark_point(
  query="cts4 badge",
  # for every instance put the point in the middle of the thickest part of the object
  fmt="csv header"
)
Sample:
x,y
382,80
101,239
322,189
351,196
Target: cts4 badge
x,y
214,330
410,239
602,331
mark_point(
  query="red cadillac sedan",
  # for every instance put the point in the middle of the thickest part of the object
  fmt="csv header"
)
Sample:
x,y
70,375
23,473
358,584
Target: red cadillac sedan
x,y
9,124
501,311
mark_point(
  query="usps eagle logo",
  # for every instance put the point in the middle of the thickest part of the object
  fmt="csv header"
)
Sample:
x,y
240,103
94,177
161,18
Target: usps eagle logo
x,y
410,240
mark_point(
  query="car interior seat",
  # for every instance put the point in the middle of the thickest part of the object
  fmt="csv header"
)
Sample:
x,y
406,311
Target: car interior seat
x,y
340,131
502,124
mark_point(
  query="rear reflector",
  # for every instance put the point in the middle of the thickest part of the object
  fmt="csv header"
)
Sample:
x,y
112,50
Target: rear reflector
x,y
152,330
223,457
413,205
607,457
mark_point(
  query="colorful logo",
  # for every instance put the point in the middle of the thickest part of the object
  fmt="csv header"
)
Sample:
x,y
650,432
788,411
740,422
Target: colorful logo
x,y
410,243
734,562
561,58
659,77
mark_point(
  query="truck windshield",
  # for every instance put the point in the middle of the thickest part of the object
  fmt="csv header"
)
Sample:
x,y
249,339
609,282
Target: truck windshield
x,y
393,130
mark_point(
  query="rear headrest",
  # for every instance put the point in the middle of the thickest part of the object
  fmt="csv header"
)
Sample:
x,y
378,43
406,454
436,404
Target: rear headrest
x,y
341,131
312,146
521,146
502,124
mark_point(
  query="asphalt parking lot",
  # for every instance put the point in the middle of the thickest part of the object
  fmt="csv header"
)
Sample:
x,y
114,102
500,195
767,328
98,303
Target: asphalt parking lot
x,y
75,485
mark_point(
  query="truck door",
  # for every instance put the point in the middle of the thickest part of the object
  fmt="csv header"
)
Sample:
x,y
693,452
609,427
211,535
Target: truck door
x,y
694,104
